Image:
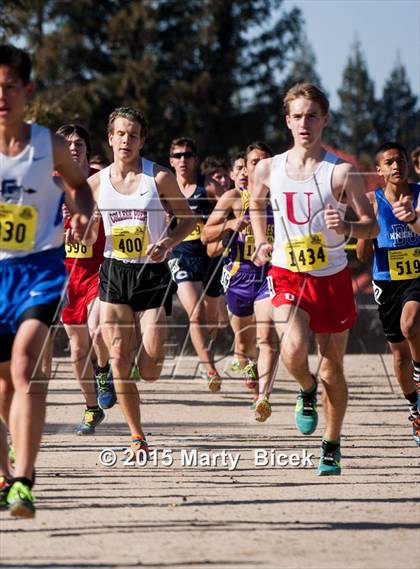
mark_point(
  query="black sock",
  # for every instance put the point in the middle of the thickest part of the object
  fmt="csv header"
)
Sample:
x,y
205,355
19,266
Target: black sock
x,y
416,375
24,480
411,397
330,445
94,408
104,369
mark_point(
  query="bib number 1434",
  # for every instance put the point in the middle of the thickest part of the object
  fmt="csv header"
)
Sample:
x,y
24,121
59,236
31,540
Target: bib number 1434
x,y
306,253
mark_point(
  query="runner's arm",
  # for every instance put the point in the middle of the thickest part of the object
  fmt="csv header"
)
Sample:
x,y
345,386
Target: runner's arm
x,y
218,223
78,192
364,247
215,249
258,211
347,183
214,189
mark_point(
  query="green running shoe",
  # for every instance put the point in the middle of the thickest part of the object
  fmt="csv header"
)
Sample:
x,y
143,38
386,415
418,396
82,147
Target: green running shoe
x,y
250,373
91,419
235,366
135,372
329,462
105,389
21,501
306,414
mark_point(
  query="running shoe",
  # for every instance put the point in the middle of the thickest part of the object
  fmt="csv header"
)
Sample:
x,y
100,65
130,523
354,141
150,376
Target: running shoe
x,y
21,500
138,443
202,371
262,409
4,491
250,373
306,414
135,372
91,419
329,462
105,389
235,365
416,430
214,381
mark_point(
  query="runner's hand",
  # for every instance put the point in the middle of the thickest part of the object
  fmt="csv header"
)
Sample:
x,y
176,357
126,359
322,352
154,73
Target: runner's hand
x,y
158,251
262,254
404,209
333,220
66,212
237,224
79,227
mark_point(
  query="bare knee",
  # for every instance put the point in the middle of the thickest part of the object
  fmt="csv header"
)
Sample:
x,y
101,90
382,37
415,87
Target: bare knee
x,y
79,350
401,360
294,361
332,372
410,327
24,377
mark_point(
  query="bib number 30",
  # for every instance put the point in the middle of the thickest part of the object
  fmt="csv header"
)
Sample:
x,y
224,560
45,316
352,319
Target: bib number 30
x,y
17,227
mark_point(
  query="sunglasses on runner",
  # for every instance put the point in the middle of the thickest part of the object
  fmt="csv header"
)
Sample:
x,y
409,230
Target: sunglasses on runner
x,y
179,155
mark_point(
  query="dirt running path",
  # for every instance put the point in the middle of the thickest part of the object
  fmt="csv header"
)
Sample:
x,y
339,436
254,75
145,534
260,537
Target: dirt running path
x,y
180,516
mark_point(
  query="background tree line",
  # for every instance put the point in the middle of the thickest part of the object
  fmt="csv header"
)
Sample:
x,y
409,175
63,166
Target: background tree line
x,y
215,70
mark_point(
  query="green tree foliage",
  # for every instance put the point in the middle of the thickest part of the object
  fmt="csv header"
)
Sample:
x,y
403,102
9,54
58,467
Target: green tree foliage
x,y
358,106
398,114
303,66
210,69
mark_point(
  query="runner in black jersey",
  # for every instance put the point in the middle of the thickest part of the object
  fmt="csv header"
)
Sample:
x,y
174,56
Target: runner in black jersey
x,y
192,270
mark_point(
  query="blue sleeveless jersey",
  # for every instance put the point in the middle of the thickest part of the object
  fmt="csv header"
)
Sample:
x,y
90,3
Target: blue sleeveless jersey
x,y
202,208
397,247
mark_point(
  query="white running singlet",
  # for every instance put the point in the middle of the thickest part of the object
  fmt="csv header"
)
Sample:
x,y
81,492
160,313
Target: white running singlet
x,y
30,201
131,222
302,242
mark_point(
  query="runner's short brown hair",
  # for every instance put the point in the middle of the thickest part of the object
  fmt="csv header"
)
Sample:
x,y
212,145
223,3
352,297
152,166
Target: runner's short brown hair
x,y
308,91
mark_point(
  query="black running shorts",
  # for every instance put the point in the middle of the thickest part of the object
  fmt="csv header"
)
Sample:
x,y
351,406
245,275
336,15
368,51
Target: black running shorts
x,y
139,285
198,269
391,297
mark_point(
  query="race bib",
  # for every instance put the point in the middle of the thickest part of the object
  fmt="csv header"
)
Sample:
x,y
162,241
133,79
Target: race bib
x,y
249,246
404,264
196,234
129,242
79,251
306,253
225,280
17,227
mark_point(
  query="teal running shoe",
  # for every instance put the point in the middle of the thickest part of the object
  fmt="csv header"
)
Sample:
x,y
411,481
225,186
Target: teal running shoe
x,y
329,462
416,430
20,500
91,419
306,414
105,389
